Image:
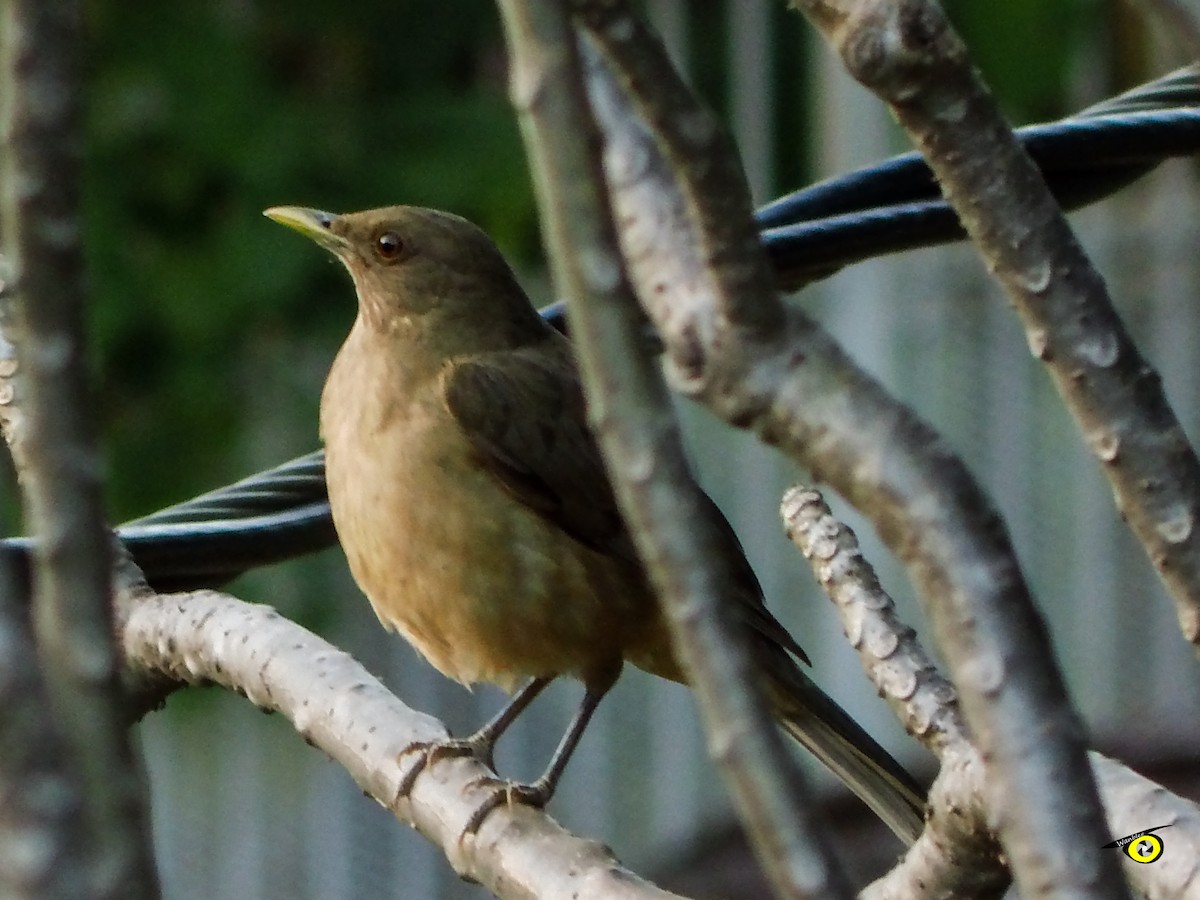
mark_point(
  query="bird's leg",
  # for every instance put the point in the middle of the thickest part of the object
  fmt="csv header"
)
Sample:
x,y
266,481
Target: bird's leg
x,y
481,744
538,793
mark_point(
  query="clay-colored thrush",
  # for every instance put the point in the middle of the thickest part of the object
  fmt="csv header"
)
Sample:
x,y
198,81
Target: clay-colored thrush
x,y
475,511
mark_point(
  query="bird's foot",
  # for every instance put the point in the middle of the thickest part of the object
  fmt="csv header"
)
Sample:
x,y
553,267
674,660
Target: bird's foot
x,y
506,793
429,752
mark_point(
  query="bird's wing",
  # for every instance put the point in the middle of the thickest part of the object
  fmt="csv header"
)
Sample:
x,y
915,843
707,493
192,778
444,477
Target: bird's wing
x,y
523,412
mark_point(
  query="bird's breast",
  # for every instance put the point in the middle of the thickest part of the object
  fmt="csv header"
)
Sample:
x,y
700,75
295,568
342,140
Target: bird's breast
x,y
484,587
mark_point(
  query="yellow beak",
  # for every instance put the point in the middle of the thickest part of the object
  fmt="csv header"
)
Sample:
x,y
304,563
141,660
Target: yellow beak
x,y
312,223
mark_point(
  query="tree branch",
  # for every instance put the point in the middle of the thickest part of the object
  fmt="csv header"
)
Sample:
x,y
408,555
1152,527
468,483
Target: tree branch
x,y
61,473
956,855
893,658
799,391
338,707
944,864
631,415
910,56
1134,804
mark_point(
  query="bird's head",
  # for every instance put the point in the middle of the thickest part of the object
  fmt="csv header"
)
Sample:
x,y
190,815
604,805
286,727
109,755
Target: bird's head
x,y
414,266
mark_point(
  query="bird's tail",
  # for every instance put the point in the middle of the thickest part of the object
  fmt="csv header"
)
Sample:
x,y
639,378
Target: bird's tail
x,y
827,731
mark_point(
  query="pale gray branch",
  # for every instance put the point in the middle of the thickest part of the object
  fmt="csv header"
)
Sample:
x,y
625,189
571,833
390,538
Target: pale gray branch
x,y
909,55
57,448
632,417
891,655
799,391
957,854
341,709
1136,804
945,863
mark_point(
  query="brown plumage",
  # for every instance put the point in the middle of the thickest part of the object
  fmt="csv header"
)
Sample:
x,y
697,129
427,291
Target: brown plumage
x,y
473,505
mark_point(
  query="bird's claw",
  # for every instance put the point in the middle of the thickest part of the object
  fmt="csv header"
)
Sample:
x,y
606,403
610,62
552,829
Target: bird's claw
x,y
432,751
505,793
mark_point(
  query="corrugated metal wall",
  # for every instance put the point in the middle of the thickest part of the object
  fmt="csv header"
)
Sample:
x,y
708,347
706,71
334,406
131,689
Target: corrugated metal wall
x,y
244,809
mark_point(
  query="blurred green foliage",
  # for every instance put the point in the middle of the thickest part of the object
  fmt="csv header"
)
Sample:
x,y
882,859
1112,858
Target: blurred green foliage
x,y
203,112
1026,49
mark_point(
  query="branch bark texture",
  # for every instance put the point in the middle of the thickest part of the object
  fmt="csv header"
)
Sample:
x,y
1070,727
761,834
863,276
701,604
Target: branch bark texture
x,y
800,392
909,55
338,707
957,854
42,65
632,417
891,655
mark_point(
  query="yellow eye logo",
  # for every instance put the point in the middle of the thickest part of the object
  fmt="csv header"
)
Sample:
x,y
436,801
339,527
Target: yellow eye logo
x,y
1143,846
1145,849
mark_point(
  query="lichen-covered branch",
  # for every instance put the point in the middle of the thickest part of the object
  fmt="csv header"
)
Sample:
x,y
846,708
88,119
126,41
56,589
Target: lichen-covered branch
x,y
631,414
42,55
338,707
800,392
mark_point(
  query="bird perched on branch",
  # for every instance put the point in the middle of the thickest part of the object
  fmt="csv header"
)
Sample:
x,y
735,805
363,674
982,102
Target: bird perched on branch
x,y
475,512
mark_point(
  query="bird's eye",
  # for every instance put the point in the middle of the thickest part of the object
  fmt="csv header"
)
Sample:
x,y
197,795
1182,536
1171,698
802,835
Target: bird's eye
x,y
389,246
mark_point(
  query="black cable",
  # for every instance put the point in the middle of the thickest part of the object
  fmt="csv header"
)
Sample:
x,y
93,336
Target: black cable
x,y
896,205
1110,133
284,512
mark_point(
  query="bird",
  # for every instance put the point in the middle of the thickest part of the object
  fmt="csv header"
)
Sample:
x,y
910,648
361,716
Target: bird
x,y
476,515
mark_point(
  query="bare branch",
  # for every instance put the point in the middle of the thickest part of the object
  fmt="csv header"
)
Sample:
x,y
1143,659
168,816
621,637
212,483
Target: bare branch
x,y
631,414
1135,804
12,421
956,855
890,653
799,391
338,707
42,65
909,55
950,858
717,244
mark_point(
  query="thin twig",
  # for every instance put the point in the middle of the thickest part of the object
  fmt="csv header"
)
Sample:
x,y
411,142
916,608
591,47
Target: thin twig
x,y
632,416
61,474
956,855
338,707
798,390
